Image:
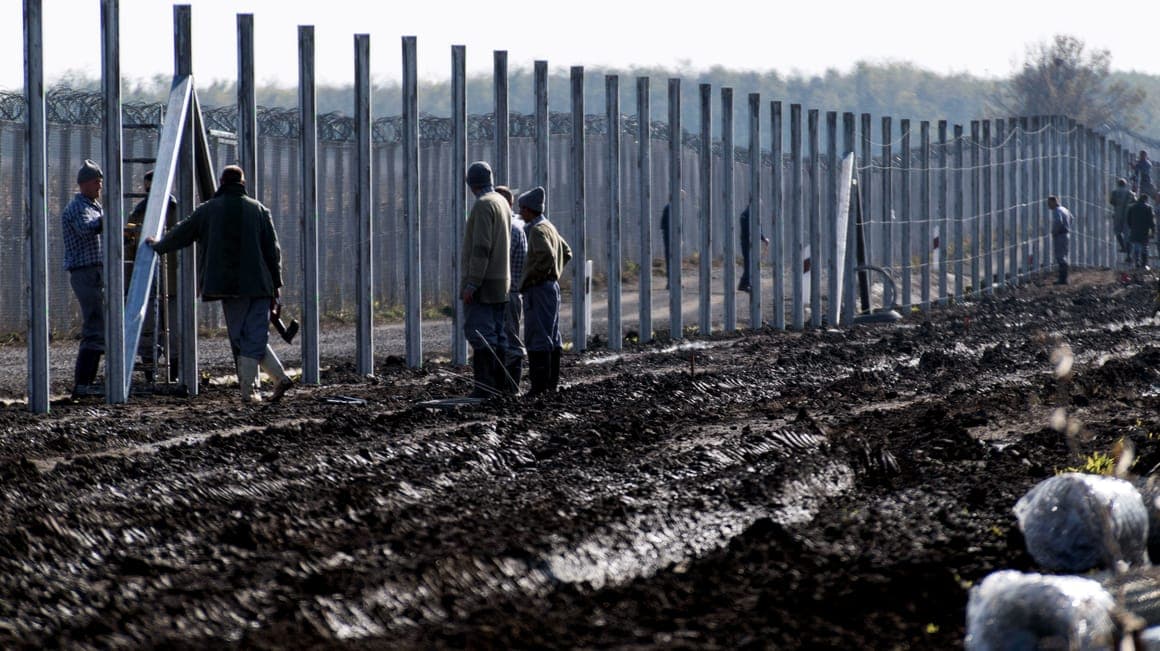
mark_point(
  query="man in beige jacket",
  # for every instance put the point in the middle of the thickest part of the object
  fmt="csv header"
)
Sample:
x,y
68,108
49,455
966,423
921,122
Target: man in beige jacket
x,y
547,255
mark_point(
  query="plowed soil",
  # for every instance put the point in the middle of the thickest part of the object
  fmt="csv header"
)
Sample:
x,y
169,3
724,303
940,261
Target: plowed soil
x,y
822,489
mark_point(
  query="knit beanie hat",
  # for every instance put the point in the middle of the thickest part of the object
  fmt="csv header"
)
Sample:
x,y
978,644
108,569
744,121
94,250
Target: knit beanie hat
x,y
89,171
479,174
533,200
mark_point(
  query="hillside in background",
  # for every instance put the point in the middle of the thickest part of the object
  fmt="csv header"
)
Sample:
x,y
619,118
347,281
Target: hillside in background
x,y
900,90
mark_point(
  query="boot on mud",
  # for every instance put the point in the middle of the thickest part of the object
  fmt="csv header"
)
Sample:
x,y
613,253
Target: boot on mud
x,y
515,371
539,372
85,374
554,369
273,367
483,375
1062,280
247,376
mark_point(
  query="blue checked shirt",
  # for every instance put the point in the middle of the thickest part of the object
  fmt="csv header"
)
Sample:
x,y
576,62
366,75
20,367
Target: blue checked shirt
x,y
81,224
518,253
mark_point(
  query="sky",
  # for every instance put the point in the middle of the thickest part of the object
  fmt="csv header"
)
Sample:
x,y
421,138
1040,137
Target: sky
x,y
984,37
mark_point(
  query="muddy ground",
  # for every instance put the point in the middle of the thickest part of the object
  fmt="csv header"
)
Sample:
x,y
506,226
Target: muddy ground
x,y
823,489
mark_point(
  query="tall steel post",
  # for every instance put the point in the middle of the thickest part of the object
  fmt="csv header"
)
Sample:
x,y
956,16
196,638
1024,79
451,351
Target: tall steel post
x,y
184,189
502,160
115,371
459,191
612,115
728,212
705,166
308,181
755,216
580,232
36,207
644,175
364,215
412,204
676,220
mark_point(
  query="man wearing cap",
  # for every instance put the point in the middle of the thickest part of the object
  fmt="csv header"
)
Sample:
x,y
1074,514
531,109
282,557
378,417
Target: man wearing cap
x,y
486,280
1061,225
547,255
240,264
81,224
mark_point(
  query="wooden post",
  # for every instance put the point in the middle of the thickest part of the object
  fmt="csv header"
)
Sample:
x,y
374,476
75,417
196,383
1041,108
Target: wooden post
x,y
612,114
728,218
364,215
706,196
644,177
580,232
116,372
36,219
308,170
777,236
412,204
459,187
796,216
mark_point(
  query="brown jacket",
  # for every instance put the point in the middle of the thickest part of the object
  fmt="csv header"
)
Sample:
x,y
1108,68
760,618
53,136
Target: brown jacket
x,y
486,248
547,254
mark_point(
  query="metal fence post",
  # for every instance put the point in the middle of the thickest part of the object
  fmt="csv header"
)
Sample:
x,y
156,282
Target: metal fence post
x,y
705,324
459,189
830,247
755,211
797,246
904,212
116,373
612,114
36,207
777,236
308,149
502,159
364,215
676,222
815,220
644,174
728,220
580,237
413,220
187,308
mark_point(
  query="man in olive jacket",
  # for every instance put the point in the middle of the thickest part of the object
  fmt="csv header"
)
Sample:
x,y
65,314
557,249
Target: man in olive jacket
x,y
486,279
240,265
547,255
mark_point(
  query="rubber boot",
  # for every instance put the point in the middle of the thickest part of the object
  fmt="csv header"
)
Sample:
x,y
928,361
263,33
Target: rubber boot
x,y
273,367
1062,274
554,369
482,374
515,369
247,376
85,372
539,372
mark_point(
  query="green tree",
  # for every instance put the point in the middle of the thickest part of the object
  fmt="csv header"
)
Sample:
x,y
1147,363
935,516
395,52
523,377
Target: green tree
x,y
1064,77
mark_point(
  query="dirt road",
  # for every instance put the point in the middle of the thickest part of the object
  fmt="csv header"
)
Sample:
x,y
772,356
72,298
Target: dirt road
x,y
822,489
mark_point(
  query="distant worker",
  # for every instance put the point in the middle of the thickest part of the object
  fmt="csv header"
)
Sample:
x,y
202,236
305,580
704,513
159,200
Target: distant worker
x,y
240,264
1061,225
485,257
1142,174
81,224
514,314
744,286
132,236
665,239
547,255
1121,198
1141,224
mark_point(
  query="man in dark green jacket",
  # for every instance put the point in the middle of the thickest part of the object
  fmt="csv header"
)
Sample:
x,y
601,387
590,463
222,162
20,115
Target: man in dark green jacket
x,y
240,264
486,280
547,255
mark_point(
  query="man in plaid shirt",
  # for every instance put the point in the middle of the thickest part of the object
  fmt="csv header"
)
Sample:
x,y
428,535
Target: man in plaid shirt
x,y
81,224
514,360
